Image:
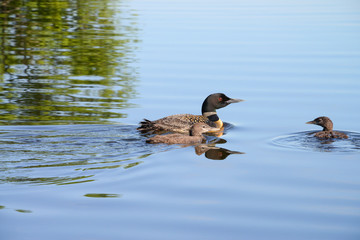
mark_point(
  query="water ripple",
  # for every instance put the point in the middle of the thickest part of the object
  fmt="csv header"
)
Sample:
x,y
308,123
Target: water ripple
x,y
306,141
70,153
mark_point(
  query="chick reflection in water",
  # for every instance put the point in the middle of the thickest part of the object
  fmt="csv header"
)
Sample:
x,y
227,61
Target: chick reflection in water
x,y
195,136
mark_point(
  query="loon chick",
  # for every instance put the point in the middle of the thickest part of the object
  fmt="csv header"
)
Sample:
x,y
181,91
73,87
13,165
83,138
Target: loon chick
x,y
182,122
195,135
327,132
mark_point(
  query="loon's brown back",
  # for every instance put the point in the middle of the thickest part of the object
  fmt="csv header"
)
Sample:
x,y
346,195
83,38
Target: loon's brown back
x,y
330,135
180,123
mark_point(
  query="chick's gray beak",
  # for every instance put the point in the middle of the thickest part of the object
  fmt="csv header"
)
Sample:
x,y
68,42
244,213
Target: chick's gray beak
x,y
311,122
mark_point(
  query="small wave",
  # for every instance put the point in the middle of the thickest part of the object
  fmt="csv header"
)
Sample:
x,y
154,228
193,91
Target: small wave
x,y
67,154
306,141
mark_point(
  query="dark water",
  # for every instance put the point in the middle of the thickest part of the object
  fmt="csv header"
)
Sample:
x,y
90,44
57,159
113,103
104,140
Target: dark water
x,y
76,77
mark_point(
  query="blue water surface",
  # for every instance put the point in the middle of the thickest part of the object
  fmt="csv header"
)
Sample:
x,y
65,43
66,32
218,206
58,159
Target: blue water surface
x,y
76,82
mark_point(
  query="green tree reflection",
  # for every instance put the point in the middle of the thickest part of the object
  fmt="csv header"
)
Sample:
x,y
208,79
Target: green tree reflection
x,y
66,61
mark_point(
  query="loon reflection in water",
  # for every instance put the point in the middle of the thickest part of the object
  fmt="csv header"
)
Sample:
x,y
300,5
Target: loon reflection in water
x,y
214,153
327,132
182,122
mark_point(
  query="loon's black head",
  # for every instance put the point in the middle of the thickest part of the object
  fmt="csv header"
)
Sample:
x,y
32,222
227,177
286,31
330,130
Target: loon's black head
x,y
216,101
324,122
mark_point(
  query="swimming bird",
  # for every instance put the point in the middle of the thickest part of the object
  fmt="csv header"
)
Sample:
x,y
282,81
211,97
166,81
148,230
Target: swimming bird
x,y
195,135
327,132
182,122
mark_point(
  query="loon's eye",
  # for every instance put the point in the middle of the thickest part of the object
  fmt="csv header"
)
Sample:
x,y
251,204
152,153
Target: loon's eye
x,y
220,99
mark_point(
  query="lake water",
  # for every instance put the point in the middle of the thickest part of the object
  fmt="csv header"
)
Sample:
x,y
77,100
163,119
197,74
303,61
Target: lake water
x,y
76,77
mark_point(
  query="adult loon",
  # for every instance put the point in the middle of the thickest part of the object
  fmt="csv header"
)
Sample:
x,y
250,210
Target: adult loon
x,y
182,122
327,132
195,135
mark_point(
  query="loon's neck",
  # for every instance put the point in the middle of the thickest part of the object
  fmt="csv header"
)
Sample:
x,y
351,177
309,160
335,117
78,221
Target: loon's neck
x,y
213,117
327,129
328,125
194,133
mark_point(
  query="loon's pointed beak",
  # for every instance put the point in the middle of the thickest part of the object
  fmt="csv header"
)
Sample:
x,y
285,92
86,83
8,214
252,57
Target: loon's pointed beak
x,y
311,122
234,100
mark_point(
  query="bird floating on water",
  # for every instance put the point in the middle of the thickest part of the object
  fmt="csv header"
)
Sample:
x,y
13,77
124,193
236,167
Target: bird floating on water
x,y
327,132
182,122
195,135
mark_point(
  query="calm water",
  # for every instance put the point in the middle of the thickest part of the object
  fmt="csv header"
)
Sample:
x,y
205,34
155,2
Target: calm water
x,y
76,77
